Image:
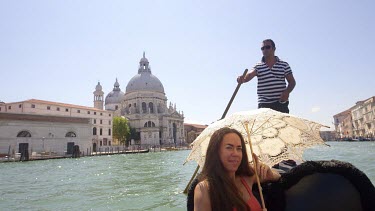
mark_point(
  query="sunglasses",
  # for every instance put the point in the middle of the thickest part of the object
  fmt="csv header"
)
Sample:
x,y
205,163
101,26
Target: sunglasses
x,y
266,47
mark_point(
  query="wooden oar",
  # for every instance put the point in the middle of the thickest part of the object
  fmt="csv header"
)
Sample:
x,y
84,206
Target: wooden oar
x,y
222,117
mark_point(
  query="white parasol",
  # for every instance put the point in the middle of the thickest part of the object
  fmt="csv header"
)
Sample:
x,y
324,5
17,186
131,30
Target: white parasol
x,y
275,136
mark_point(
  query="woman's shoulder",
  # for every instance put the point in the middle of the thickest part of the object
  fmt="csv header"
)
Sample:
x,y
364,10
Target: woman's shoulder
x,y
201,196
202,186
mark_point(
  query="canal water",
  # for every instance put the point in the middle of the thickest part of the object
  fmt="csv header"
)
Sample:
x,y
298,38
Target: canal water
x,y
150,181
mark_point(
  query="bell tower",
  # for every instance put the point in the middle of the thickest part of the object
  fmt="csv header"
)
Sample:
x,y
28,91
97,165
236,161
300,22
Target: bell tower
x,y
98,97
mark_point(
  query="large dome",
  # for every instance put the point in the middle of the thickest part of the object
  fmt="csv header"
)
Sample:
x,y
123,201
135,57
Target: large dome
x,y
144,80
116,96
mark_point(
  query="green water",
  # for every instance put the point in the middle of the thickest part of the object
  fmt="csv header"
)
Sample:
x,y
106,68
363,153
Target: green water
x,y
151,181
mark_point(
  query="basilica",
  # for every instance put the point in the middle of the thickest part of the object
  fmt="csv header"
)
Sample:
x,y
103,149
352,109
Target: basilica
x,y
145,105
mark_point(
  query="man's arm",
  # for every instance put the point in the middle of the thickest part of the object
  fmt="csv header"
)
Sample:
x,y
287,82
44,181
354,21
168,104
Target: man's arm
x,y
247,78
291,84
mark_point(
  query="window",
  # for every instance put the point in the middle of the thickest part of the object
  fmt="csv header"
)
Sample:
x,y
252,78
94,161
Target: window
x,y
88,112
9,107
78,111
101,121
101,143
20,106
94,132
101,114
32,105
94,113
101,132
109,143
24,133
57,109
70,134
48,107
109,131
109,122
151,107
66,110
116,107
94,121
109,114
149,124
144,107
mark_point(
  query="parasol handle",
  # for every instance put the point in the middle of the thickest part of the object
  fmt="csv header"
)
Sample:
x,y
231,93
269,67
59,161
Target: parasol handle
x,y
233,96
255,167
222,117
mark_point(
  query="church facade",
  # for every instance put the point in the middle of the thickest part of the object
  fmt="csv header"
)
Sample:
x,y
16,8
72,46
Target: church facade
x,y
145,105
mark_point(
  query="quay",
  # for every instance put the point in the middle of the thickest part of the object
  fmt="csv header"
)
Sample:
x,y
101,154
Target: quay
x,y
17,157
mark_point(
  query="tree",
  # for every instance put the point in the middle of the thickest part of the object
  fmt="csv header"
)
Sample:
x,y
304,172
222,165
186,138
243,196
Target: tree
x,y
121,130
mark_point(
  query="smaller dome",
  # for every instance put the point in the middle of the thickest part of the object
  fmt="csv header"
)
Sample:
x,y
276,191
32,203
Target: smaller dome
x,y
116,96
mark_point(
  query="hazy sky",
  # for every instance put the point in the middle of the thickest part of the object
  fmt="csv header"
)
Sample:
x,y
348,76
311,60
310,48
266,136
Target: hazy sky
x,y
59,50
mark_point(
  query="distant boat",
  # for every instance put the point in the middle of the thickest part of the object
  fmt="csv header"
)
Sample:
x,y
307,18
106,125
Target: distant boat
x,y
171,149
137,151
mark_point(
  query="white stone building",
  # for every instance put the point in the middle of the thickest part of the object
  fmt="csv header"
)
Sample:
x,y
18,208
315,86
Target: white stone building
x,y
144,104
90,127
42,133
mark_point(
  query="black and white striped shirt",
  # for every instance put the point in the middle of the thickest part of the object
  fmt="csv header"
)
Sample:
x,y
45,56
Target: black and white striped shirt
x,y
271,82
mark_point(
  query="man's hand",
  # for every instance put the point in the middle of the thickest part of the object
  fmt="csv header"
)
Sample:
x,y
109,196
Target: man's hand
x,y
284,96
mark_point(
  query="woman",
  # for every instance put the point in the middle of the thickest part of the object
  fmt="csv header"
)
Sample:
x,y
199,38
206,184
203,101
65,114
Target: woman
x,y
226,180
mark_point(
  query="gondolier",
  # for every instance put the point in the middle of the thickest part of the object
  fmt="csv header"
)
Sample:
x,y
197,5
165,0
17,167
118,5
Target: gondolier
x,y
273,91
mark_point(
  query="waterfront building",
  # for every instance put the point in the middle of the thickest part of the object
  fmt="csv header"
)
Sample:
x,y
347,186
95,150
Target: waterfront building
x,y
192,131
328,135
37,114
358,121
34,134
145,106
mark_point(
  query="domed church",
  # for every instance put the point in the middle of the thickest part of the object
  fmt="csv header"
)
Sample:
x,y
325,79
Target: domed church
x,y
144,104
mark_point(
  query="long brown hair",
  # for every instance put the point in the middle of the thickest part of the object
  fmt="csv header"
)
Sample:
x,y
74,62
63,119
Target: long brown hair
x,y
224,194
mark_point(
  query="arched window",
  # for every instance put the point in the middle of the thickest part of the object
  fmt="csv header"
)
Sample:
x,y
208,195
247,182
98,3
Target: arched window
x,y
24,133
70,134
151,107
94,131
144,107
149,124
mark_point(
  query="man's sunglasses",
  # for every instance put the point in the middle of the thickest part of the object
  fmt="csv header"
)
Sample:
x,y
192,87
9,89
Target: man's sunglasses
x,y
266,47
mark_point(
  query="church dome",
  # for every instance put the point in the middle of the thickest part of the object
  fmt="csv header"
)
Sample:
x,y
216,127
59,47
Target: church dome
x,y
144,80
116,96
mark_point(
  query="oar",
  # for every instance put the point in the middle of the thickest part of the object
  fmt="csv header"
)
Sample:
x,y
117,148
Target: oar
x,y
222,117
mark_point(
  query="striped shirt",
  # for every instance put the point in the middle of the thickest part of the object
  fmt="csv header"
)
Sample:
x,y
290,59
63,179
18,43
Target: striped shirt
x,y
271,82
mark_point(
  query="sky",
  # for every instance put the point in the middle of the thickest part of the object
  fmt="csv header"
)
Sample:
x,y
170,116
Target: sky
x,y
59,50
